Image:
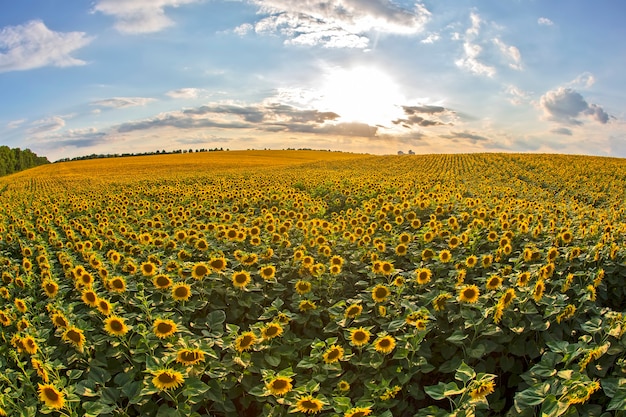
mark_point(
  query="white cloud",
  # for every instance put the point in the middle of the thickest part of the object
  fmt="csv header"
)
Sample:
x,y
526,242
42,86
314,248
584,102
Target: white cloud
x,y
432,38
585,80
14,124
122,102
471,50
139,16
516,95
511,53
243,29
50,124
545,21
338,23
33,45
183,93
565,105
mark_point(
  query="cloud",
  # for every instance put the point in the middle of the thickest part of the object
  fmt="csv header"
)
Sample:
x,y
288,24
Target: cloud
x,y
432,38
516,95
122,102
562,131
337,23
511,53
472,50
42,126
545,21
244,29
184,93
565,105
139,16
584,80
33,45
14,124
415,117
471,137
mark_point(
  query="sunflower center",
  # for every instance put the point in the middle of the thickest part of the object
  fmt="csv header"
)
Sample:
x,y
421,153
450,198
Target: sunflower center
x,y
240,278
381,293
181,292
201,270
189,356
279,384
309,405
166,378
469,293
74,336
164,328
117,283
333,354
50,288
163,281
360,336
91,297
271,331
51,394
385,343
246,341
116,326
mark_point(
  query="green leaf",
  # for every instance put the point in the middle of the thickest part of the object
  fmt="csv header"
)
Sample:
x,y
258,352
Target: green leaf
x,y
272,360
93,409
528,398
464,373
551,407
618,402
457,337
441,390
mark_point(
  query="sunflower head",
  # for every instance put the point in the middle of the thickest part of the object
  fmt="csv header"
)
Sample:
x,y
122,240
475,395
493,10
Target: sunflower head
x,y
51,396
279,385
165,379
245,341
380,293
333,354
189,356
241,279
115,326
360,336
469,294
385,344
272,330
164,328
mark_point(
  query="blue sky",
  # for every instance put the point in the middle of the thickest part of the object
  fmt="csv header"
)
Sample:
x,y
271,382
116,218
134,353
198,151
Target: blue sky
x,y
375,76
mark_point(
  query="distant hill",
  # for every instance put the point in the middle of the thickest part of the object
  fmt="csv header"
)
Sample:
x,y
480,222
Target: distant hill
x,y
14,160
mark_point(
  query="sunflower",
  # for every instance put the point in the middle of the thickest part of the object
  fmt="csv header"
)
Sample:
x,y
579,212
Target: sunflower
x,y
59,320
22,325
50,287
523,279
487,260
189,357
507,298
181,292
267,272
358,412
90,298
483,389
41,370
334,269
303,287
51,396
343,386
540,287
567,237
74,336
162,281
241,279
199,271
104,307
333,354
385,344
423,275
386,268
469,294
309,405
164,328
166,378
306,305
271,330
494,282
279,385
581,392
360,336
117,284
115,326
218,264
245,341
471,261
148,269
353,310
30,345
380,293
445,256
439,303
567,313
20,305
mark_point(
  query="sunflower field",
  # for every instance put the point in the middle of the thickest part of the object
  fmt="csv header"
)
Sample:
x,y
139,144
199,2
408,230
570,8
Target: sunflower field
x,y
298,283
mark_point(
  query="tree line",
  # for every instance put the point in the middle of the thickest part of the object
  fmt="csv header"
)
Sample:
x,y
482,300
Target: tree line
x,y
15,159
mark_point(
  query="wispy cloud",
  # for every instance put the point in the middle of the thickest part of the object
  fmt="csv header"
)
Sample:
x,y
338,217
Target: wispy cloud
x,y
472,50
43,126
562,131
432,38
565,106
465,136
33,45
511,53
139,16
516,95
337,23
14,124
545,21
184,93
424,116
584,80
122,102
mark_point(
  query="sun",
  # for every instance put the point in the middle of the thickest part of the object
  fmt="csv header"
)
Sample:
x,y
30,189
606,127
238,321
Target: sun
x,y
361,94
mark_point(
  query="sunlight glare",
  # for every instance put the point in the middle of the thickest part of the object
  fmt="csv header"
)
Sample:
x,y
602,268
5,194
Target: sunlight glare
x,y
361,94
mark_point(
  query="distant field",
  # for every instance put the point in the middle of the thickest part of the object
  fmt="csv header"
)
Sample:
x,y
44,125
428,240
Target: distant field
x,y
282,283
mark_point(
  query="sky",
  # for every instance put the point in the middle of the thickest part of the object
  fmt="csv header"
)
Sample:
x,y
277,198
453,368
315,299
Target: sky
x,y
369,76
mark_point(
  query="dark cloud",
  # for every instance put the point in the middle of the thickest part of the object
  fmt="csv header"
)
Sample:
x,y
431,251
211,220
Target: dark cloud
x,y
414,116
562,131
473,138
565,105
